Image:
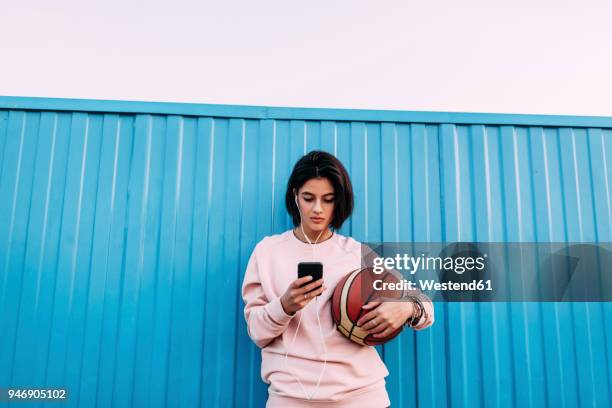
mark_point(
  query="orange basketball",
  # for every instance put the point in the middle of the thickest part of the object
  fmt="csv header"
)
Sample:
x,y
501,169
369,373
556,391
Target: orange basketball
x,y
352,292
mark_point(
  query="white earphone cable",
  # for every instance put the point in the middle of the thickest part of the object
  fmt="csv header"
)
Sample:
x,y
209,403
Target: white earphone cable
x,y
300,321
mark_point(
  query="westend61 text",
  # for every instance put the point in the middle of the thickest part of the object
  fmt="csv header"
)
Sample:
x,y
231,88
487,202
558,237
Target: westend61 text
x,y
430,284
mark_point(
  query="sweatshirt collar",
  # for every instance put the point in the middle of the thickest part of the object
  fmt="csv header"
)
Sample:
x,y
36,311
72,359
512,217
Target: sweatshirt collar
x,y
306,244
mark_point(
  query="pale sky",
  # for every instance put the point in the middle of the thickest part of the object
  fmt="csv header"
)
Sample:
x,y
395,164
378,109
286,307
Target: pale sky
x,y
538,56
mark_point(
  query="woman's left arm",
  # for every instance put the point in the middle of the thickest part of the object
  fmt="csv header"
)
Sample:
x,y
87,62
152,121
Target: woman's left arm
x,y
383,318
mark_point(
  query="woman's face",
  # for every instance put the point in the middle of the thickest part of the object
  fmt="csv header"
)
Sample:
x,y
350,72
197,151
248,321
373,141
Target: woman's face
x,y
316,200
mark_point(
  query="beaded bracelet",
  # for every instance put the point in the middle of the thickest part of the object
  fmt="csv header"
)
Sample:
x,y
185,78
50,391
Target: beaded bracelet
x,y
420,311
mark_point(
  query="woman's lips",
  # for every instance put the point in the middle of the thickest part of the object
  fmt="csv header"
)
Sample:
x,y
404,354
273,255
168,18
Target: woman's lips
x,y
317,220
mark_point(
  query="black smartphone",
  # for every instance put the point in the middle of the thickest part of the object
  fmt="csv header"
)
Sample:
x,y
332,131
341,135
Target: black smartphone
x,y
314,269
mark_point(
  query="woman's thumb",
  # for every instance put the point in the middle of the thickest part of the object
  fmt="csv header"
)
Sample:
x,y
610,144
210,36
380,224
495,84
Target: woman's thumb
x,y
370,305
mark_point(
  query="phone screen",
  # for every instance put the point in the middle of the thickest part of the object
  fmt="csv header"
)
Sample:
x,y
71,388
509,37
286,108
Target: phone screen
x,y
314,269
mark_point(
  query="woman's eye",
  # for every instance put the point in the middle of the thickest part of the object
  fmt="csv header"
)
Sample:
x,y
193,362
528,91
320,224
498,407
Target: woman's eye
x,y
309,200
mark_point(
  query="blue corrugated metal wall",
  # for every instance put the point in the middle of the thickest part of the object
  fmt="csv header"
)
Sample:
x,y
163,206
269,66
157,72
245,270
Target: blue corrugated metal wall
x,y
125,229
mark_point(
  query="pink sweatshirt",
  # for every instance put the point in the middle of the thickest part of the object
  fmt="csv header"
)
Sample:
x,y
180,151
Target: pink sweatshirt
x,y
354,375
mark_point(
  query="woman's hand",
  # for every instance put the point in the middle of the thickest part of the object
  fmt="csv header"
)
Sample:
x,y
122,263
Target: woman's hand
x,y
386,317
295,297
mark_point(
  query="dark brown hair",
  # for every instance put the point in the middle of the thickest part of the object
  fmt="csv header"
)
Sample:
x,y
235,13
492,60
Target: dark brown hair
x,y
321,164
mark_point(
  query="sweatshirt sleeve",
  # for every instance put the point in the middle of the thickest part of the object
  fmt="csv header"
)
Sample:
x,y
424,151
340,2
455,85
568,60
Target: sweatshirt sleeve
x,y
266,319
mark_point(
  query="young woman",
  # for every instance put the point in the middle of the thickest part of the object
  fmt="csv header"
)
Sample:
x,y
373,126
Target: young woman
x,y
305,360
